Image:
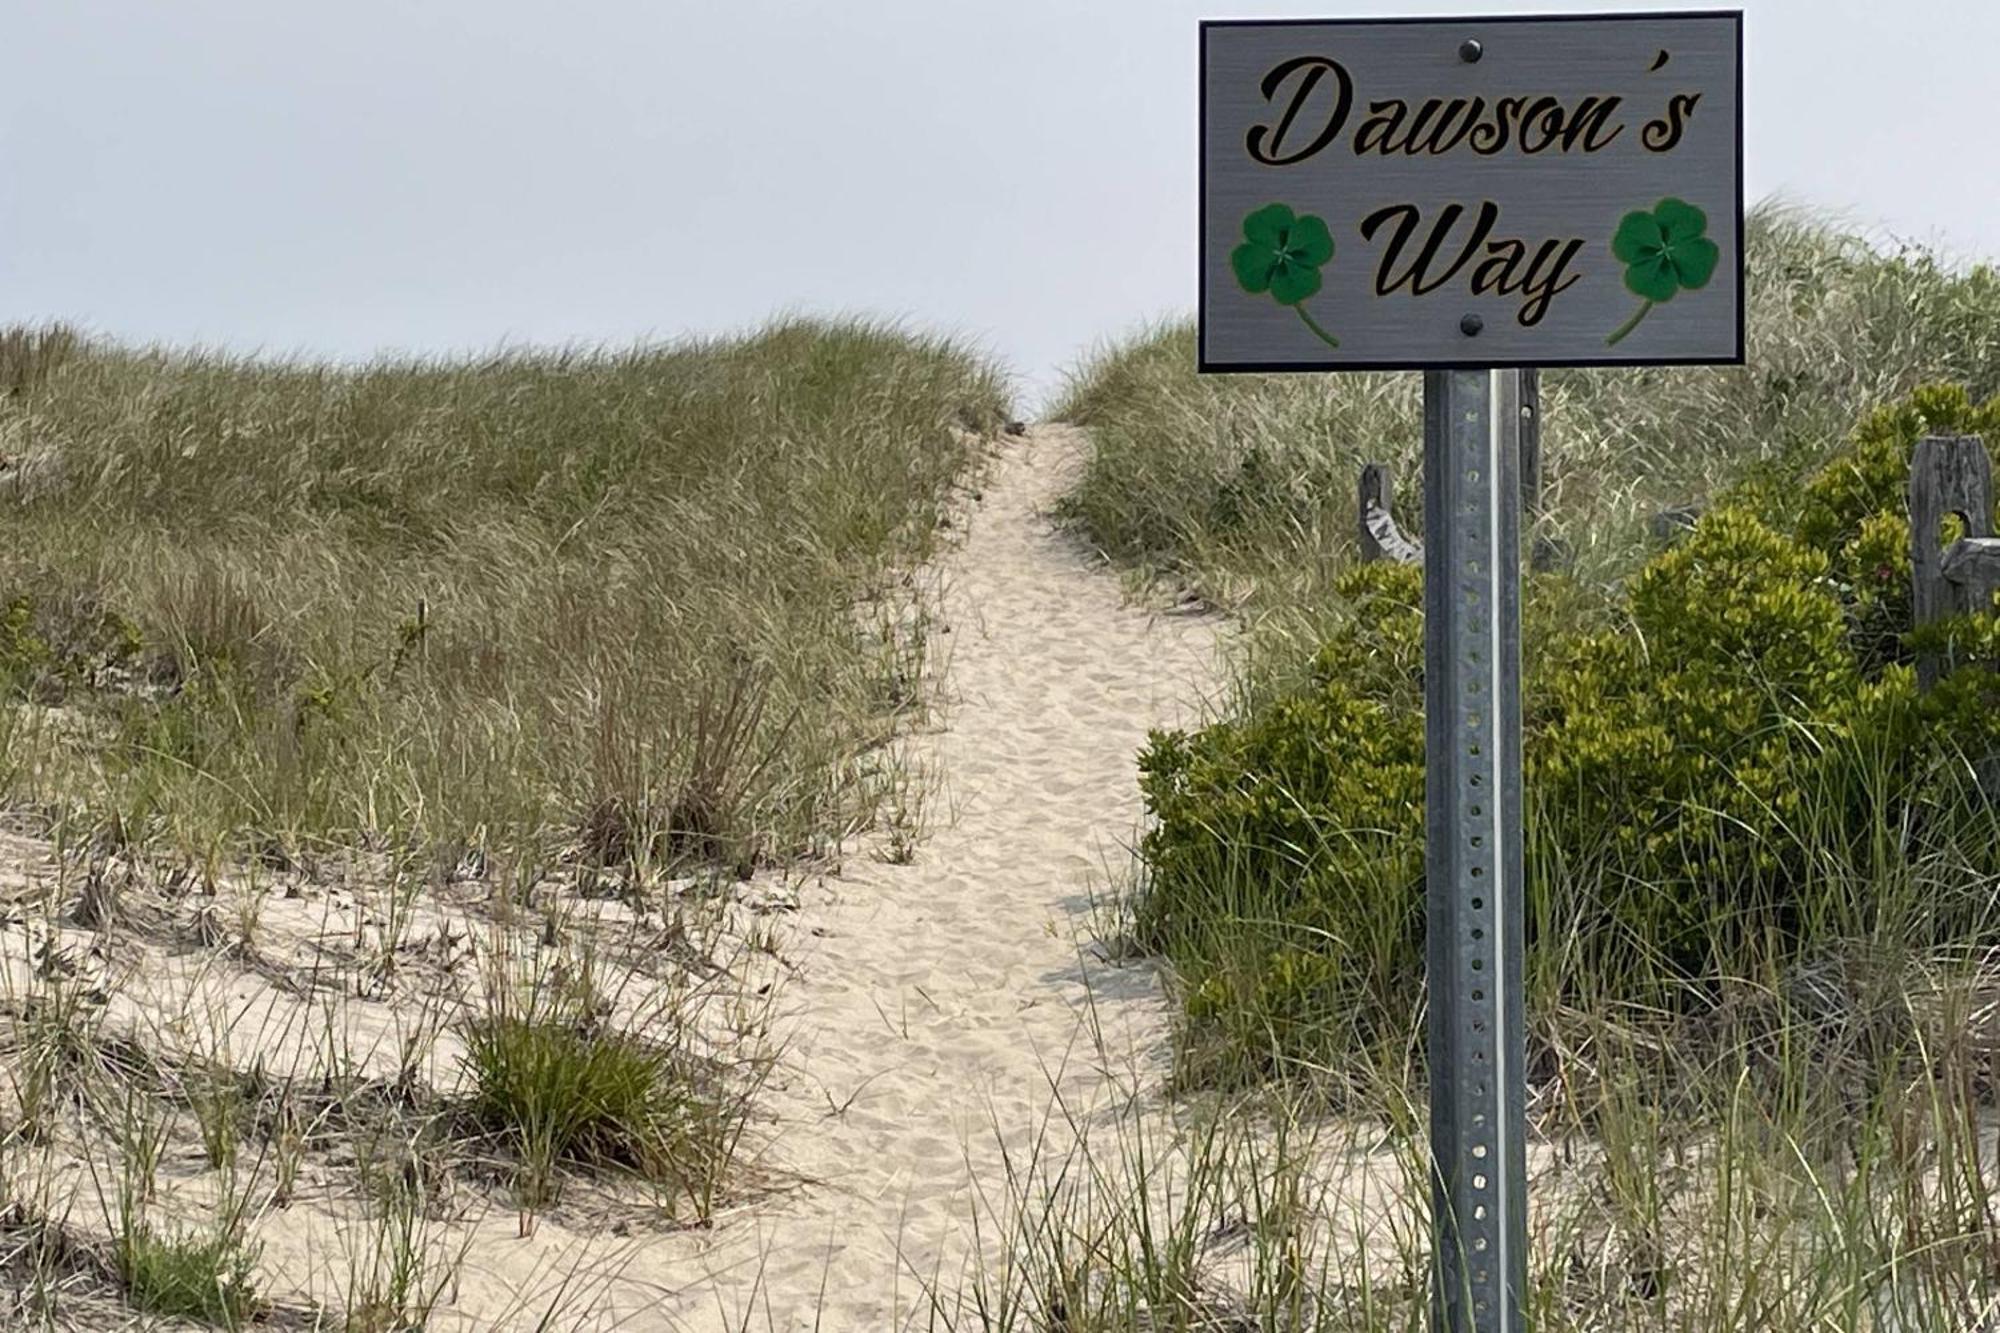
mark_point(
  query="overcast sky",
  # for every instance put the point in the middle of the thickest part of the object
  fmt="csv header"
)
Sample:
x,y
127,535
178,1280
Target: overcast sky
x,y
345,178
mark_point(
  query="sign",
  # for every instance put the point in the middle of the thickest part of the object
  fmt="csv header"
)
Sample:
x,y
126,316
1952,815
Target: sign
x,y
1491,192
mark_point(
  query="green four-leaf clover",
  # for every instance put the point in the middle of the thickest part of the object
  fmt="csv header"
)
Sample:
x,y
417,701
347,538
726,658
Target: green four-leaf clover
x,y
1281,254
1664,251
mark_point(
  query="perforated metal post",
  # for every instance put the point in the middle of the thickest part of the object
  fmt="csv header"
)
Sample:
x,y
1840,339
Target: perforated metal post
x,y
1472,700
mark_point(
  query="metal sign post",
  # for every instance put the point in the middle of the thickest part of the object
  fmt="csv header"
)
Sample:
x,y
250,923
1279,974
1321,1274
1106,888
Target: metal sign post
x,y
1473,197
1473,862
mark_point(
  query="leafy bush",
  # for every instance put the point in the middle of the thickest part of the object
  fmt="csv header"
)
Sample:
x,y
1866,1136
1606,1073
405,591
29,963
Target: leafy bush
x,y
1709,752
1311,808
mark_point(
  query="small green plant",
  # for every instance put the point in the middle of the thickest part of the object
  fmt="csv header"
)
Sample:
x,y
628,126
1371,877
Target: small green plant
x,y
555,1082
144,1129
399,1275
221,1111
54,1031
188,1275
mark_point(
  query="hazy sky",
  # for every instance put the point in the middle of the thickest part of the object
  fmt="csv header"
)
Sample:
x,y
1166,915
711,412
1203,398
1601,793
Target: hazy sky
x,y
362,175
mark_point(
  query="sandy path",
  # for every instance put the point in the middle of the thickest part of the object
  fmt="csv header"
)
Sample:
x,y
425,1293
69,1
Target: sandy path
x,y
941,1001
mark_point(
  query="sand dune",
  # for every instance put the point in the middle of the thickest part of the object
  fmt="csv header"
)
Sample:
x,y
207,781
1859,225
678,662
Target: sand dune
x,y
941,1010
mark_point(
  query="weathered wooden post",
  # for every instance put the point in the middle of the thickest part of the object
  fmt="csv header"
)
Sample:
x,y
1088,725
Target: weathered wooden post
x,y
1373,498
1338,232
1950,475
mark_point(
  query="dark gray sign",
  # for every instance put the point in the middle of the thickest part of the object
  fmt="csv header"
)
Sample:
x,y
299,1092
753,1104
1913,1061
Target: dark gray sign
x,y
1472,192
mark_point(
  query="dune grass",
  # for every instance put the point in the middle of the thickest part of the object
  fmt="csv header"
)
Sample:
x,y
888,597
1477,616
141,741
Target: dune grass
x,y
1768,1191
559,1085
641,605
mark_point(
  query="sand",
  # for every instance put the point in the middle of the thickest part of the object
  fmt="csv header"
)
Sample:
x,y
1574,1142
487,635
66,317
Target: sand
x,y
942,1004
937,1019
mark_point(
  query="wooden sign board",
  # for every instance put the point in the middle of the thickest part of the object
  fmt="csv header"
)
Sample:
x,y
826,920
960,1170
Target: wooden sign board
x,y
1490,192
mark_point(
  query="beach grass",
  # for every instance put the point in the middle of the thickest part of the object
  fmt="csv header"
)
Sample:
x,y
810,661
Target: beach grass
x,y
632,605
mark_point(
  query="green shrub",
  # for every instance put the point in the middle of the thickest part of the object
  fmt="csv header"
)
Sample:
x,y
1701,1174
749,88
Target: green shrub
x,y
1688,720
1314,805
1711,754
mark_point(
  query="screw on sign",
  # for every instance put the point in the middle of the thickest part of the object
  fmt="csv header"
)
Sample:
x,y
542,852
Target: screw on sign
x,y
1472,198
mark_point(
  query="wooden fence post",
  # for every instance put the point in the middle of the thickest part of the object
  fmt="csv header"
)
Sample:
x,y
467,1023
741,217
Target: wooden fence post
x,y
1950,474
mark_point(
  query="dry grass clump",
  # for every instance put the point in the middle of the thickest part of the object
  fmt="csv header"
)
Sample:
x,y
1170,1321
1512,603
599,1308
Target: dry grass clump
x,y
29,356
